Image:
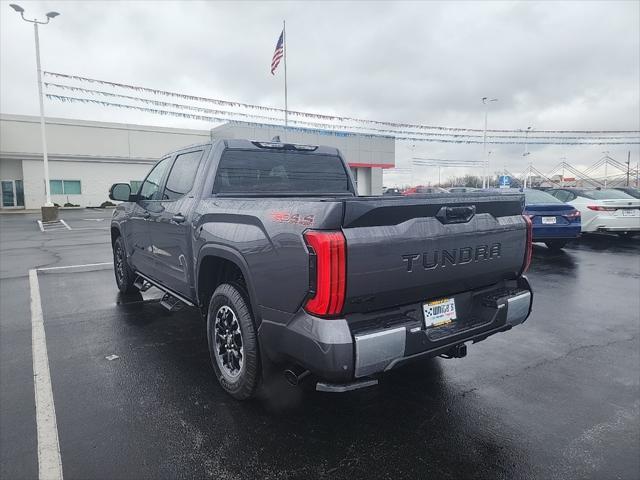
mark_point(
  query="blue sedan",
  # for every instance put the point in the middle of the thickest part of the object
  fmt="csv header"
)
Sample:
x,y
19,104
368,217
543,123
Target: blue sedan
x,y
554,222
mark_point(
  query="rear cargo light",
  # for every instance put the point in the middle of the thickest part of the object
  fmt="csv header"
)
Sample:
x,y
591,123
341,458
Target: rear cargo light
x,y
529,248
598,208
328,272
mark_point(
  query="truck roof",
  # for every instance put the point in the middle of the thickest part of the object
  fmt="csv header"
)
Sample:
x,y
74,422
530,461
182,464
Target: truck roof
x,y
244,144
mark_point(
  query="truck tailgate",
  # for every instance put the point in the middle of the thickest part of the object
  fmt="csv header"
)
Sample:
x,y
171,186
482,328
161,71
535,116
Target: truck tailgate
x,y
402,250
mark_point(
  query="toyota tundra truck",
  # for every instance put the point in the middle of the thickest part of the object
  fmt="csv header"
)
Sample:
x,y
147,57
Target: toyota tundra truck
x,y
291,268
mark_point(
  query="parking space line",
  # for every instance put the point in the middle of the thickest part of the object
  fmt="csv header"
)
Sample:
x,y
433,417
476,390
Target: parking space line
x,y
40,225
44,269
49,459
65,224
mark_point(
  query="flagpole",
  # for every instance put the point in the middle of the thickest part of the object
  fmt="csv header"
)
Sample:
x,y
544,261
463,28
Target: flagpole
x,y
284,47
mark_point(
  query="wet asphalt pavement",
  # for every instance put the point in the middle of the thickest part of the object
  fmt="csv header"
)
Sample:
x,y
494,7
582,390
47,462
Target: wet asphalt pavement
x,y
556,398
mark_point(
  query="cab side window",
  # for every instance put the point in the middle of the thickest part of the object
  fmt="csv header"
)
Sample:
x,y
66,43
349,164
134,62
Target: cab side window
x,y
151,186
182,175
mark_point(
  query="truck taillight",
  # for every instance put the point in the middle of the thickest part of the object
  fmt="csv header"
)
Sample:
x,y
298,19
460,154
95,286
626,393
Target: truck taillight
x,y
529,248
328,271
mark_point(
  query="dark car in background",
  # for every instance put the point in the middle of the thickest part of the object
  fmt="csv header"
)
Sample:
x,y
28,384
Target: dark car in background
x,y
554,222
462,189
633,191
392,191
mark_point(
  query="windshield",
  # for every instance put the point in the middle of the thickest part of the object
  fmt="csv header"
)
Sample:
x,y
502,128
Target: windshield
x,y
533,197
280,171
606,194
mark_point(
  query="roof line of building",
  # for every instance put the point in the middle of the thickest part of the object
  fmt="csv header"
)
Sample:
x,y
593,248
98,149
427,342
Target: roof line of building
x,y
100,124
76,158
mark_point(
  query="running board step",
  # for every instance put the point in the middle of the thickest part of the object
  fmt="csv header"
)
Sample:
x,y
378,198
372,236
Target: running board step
x,y
141,284
171,303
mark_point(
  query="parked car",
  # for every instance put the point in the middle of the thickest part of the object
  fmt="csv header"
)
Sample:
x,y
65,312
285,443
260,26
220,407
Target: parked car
x,y
289,266
462,189
392,191
554,222
633,191
603,210
421,189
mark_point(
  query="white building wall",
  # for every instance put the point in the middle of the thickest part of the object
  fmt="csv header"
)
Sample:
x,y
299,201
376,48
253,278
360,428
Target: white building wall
x,y
10,169
95,180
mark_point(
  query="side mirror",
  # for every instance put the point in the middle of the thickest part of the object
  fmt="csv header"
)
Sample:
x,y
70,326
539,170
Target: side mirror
x,y
120,192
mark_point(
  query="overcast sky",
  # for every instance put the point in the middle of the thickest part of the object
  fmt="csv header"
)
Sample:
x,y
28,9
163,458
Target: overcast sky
x,y
553,65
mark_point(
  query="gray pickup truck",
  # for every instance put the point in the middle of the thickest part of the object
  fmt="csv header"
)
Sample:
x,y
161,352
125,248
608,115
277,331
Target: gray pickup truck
x,y
291,268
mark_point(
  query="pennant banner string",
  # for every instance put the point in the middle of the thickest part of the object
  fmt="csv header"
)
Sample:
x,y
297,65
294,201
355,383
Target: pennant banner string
x,y
332,118
218,119
228,114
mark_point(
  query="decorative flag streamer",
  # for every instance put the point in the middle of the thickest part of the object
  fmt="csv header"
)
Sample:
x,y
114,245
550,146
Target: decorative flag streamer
x,y
303,123
62,98
332,118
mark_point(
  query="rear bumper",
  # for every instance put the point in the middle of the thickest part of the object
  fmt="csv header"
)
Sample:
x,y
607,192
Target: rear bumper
x,y
610,223
341,350
560,232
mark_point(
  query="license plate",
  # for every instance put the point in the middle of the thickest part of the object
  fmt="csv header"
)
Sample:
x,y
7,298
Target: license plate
x,y
548,220
439,312
630,213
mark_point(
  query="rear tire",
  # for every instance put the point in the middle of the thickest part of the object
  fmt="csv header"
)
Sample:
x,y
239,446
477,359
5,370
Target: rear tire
x,y
233,343
124,275
556,245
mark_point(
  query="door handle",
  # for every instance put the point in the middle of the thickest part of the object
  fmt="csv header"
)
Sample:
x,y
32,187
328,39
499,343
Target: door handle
x,y
178,218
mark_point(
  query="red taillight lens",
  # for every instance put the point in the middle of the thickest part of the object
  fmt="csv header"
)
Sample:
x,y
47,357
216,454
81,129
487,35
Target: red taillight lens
x,y
598,208
575,215
529,248
328,282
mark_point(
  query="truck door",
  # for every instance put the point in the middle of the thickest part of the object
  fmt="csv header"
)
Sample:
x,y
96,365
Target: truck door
x,y
146,208
171,228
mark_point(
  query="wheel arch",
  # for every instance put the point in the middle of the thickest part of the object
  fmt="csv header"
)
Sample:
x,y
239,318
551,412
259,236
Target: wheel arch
x,y
218,264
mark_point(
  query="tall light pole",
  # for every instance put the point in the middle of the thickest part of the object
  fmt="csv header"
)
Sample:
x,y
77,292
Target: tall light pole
x,y
526,154
485,101
36,22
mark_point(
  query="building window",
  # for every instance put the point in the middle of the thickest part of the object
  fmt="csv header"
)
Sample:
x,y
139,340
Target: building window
x,y
65,187
135,185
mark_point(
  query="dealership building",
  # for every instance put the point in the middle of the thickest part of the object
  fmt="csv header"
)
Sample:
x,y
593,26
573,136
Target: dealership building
x,y
86,157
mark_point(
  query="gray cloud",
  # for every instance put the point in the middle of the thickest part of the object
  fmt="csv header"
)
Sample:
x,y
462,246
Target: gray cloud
x,y
553,65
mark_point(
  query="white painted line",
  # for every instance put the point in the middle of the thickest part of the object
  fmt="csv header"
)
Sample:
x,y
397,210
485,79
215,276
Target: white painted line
x,y
49,460
40,225
65,224
44,269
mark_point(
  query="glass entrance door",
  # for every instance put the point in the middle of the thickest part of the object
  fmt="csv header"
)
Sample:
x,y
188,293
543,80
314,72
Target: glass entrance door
x,y
12,193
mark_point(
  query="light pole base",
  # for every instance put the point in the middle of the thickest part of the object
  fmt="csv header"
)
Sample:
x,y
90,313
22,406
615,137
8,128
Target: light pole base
x,y
49,214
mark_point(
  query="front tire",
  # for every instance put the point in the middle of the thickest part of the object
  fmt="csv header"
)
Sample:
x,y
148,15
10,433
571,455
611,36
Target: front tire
x,y
124,275
556,245
233,343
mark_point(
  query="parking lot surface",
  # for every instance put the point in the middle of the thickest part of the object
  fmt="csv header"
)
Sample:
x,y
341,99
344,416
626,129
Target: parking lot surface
x,y
558,397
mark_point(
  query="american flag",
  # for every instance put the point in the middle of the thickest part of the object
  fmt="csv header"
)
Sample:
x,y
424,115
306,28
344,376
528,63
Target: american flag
x,y
277,55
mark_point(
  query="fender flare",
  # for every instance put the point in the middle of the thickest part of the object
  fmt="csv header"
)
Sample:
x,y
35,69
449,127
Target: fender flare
x,y
234,256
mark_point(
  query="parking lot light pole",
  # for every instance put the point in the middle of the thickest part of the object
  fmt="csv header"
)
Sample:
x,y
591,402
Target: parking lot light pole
x,y
526,154
48,213
485,101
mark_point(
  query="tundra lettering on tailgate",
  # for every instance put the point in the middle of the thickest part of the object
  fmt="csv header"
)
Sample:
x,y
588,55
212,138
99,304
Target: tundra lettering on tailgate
x,y
455,256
